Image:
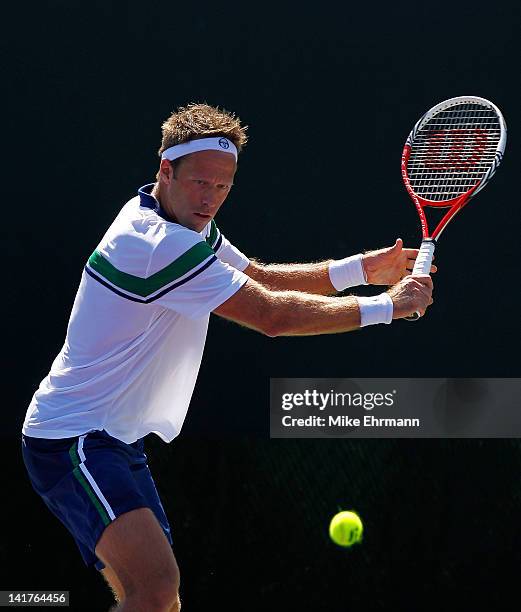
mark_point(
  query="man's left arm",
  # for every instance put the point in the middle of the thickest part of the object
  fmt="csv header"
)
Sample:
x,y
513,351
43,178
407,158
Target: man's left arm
x,y
306,277
382,267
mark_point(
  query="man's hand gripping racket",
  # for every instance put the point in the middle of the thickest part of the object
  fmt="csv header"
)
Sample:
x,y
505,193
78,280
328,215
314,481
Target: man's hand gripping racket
x,y
450,155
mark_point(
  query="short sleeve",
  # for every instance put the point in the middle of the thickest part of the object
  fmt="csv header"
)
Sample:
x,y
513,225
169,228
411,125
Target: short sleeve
x,y
225,250
188,277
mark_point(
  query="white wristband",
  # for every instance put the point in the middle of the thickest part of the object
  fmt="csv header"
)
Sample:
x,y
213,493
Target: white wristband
x,y
374,310
348,272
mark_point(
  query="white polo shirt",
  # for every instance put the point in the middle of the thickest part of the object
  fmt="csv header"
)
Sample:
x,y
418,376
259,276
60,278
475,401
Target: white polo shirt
x,y
137,330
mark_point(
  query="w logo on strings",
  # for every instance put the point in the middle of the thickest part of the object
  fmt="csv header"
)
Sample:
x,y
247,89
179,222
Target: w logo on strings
x,y
455,149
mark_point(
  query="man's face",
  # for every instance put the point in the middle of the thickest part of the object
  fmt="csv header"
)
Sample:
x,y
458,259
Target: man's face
x,y
194,192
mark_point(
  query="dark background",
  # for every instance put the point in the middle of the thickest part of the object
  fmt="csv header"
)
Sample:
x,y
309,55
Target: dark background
x,y
330,92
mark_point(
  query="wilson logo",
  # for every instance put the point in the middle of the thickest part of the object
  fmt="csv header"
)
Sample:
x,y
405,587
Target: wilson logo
x,y
455,149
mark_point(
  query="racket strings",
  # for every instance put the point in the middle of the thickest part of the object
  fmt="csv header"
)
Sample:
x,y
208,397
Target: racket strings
x,y
453,151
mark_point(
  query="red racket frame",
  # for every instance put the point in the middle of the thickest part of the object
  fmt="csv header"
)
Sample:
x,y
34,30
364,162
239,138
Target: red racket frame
x,y
423,261
455,205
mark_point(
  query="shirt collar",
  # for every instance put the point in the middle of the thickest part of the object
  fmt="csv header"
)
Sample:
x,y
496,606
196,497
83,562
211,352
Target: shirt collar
x,y
147,200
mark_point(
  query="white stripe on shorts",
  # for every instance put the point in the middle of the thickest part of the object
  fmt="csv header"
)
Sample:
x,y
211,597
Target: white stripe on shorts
x,y
91,480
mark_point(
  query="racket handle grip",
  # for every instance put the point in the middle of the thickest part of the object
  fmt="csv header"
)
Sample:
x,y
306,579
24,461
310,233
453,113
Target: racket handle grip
x,y
423,262
422,265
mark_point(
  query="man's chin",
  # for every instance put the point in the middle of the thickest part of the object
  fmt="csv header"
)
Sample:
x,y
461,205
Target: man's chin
x,y
200,222
196,226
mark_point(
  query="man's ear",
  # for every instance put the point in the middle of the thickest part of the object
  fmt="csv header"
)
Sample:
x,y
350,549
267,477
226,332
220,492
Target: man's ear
x,y
166,172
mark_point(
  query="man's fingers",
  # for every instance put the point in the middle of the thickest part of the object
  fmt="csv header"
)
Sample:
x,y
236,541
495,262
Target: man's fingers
x,y
422,279
410,267
422,292
397,247
412,294
413,253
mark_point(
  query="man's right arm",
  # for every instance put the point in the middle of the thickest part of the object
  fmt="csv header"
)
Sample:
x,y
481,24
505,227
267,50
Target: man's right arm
x,y
294,313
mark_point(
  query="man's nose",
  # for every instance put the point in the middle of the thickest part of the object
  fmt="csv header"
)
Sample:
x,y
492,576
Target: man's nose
x,y
210,196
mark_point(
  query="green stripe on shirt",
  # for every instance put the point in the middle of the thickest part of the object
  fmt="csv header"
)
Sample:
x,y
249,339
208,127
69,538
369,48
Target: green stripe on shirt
x,y
146,286
212,236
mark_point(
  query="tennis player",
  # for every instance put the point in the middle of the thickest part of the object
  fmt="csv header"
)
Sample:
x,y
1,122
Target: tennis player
x,y
135,340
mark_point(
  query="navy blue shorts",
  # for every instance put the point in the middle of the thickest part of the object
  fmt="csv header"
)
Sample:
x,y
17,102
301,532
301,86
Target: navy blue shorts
x,y
88,481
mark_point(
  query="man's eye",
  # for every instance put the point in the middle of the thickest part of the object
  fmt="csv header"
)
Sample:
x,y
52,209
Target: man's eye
x,y
198,182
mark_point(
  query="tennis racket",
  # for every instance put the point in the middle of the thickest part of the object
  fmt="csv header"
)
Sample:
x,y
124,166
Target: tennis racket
x,y
450,155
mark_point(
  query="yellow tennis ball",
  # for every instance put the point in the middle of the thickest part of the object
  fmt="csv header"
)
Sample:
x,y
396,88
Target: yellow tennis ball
x,y
346,528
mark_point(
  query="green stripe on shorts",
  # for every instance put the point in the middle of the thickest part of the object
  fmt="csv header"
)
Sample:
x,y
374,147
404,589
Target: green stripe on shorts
x,y
73,453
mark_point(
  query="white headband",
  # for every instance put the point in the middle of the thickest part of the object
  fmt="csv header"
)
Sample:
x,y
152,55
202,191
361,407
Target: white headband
x,y
201,144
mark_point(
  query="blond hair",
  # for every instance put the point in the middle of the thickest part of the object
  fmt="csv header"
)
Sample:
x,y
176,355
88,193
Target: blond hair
x,y
201,121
